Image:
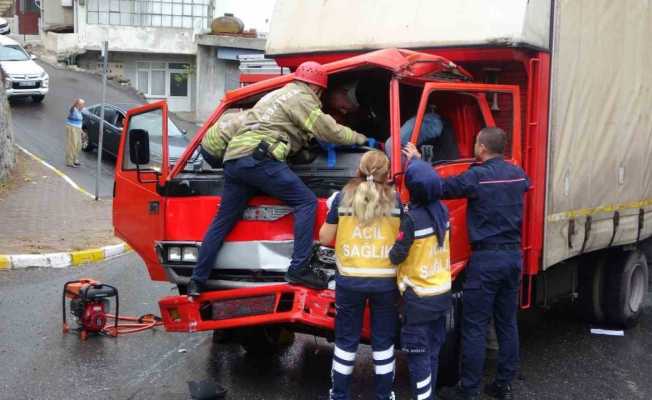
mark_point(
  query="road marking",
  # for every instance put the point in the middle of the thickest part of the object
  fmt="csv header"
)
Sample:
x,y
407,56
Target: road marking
x,y
5,262
56,171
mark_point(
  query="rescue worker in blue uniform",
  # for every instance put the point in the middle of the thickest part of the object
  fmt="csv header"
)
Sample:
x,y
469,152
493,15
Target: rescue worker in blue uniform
x,y
364,220
495,190
422,253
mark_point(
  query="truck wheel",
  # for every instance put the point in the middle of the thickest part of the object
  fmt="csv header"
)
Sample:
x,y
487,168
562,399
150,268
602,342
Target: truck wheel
x,y
450,353
265,340
591,282
627,287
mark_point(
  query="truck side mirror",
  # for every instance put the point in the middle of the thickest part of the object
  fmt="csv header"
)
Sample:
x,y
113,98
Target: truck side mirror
x,y
139,146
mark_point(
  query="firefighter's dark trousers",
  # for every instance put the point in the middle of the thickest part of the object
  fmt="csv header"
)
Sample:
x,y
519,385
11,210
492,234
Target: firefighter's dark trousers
x,y
350,305
422,342
243,178
491,288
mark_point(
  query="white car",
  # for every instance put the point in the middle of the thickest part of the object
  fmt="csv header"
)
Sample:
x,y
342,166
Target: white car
x,y
21,76
4,27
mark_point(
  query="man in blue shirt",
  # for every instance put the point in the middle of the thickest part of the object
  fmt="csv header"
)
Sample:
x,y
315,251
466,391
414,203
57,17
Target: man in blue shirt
x,y
494,189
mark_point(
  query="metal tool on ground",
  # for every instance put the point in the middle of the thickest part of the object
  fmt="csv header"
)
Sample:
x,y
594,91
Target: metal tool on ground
x,y
89,302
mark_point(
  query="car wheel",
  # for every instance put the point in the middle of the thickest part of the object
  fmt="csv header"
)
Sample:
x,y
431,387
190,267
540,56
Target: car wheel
x,y
86,142
38,98
450,353
627,286
265,340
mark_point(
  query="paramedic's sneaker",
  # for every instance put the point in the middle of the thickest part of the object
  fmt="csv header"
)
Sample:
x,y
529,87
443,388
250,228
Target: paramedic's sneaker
x,y
501,392
194,288
308,277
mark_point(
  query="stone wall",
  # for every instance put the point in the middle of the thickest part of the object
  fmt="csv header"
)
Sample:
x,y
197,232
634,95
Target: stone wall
x,y
7,149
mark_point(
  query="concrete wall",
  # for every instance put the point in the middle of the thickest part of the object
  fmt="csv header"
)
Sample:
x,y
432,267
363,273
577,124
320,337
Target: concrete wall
x,y
7,156
54,14
213,75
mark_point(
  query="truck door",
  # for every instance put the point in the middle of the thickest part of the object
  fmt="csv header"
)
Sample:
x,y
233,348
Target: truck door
x,y
463,109
138,208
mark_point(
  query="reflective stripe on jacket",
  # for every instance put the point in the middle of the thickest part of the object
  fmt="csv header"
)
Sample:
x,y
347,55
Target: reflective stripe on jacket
x,y
220,134
288,118
363,251
427,269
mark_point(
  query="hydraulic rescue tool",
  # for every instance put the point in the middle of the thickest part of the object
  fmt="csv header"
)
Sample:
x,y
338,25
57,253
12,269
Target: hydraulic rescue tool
x,y
89,303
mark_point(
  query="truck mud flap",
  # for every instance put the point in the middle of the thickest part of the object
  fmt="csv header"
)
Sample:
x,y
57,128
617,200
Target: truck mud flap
x,y
227,309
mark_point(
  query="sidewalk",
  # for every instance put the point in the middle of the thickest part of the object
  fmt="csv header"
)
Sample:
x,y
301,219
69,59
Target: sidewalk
x,y
41,213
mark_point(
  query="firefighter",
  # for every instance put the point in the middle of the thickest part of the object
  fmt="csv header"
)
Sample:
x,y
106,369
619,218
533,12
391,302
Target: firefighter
x,y
280,125
494,189
424,277
364,218
217,137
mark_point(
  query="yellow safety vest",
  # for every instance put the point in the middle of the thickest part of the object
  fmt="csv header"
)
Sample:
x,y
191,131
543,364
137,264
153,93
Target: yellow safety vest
x,y
427,270
363,251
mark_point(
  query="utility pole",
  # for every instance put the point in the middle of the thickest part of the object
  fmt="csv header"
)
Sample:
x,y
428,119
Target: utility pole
x,y
105,64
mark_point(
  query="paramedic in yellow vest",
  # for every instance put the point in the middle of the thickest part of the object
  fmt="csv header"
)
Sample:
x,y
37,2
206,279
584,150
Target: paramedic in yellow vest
x,y
364,219
422,253
280,125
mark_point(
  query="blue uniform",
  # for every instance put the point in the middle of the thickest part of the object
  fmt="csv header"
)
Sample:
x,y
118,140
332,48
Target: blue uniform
x,y
494,190
422,252
364,282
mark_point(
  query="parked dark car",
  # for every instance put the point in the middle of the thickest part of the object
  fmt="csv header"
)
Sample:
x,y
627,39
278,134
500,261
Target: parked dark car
x,y
114,116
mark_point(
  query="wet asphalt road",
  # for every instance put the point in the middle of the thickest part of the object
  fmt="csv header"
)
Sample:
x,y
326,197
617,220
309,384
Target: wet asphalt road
x,y
560,359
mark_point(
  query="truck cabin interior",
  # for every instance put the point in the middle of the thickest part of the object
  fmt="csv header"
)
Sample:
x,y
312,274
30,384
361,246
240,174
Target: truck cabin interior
x,y
360,99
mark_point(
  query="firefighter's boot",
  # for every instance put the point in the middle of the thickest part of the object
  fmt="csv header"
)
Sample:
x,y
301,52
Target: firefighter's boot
x,y
194,288
308,277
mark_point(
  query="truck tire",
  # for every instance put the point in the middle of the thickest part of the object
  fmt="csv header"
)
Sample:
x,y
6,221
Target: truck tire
x,y
591,282
626,287
265,340
450,353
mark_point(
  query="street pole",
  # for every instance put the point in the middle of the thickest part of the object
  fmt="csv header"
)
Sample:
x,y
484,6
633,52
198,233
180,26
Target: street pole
x,y
105,62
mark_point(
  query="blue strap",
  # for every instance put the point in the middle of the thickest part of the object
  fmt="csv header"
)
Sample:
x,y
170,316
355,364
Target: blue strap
x,y
371,142
332,156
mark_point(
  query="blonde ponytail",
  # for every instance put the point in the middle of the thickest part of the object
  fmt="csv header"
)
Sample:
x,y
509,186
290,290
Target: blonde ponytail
x,y
370,196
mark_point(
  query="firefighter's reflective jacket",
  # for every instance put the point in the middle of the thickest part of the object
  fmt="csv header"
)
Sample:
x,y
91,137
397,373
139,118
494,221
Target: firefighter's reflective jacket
x,y
288,118
219,135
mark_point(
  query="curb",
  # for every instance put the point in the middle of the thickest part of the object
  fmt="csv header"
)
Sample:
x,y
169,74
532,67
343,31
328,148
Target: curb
x,y
62,260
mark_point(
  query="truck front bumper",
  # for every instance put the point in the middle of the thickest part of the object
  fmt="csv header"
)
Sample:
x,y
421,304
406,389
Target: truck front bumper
x,y
238,308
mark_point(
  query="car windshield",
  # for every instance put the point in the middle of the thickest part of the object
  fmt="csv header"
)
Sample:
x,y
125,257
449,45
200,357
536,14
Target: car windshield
x,y
13,53
151,122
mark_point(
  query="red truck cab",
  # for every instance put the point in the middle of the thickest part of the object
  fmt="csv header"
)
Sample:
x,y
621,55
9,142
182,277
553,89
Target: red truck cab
x,y
162,211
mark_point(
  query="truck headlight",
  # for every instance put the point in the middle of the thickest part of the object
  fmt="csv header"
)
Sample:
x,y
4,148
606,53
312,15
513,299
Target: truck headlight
x,y
189,254
174,254
46,80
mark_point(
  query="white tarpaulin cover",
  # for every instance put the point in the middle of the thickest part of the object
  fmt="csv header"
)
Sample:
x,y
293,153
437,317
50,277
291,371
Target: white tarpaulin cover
x,y
300,26
600,158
